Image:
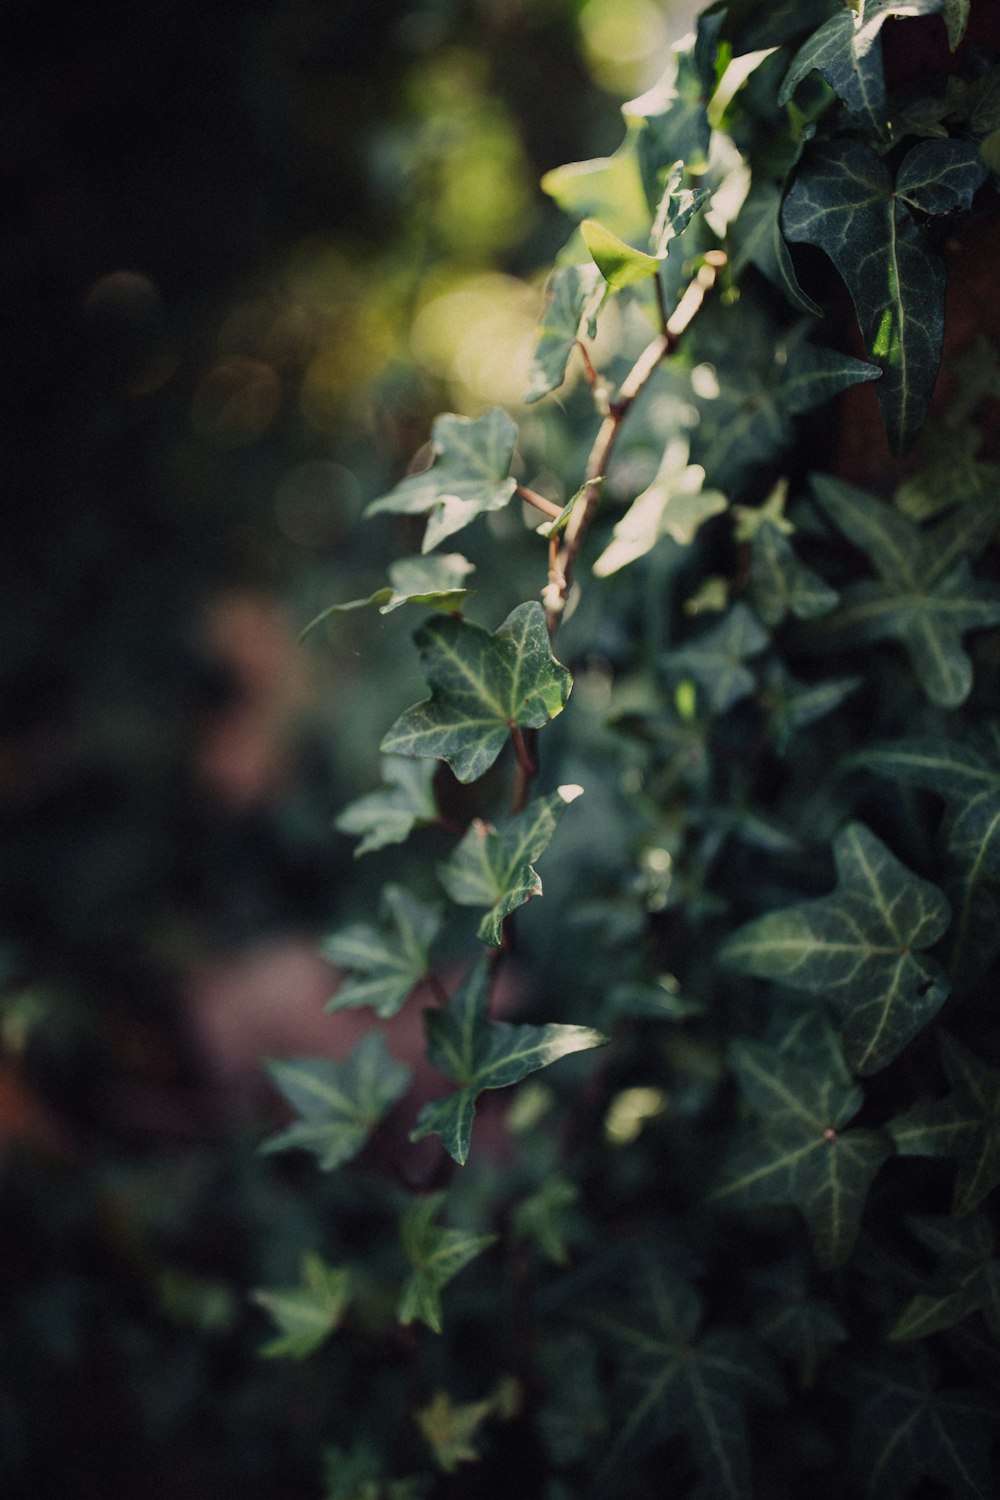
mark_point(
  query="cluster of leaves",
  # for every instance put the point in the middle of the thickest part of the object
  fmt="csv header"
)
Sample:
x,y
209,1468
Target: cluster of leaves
x,y
782,909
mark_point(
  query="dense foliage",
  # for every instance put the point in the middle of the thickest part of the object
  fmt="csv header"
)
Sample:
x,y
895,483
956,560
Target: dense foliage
x,y
752,1236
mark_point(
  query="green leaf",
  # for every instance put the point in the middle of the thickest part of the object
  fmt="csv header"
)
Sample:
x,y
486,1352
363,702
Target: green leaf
x,y
619,263
482,685
801,1154
675,210
780,583
477,1053
432,581
360,1474
493,867
843,200
716,660
305,1314
967,1278
965,1125
757,239
794,1323
794,705
542,1217
752,28
570,301
608,188
956,18
470,474
861,947
907,1430
436,1255
390,815
386,962
339,1103
449,1427
676,504
926,597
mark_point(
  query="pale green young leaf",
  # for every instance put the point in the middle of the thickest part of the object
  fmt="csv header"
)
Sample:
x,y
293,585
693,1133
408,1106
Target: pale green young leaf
x,y
608,188
449,1427
389,816
619,263
385,962
780,583
801,1154
676,504
675,210
478,1054
436,1255
307,1314
482,685
964,1125
470,474
717,659
492,867
339,1103
861,947
569,302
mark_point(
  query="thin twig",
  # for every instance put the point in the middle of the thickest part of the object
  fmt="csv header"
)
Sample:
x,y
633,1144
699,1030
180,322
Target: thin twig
x,y
547,507
588,364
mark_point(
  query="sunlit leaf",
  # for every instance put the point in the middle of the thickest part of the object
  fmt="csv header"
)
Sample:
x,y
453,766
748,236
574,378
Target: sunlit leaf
x,y
964,1125
794,1322
390,815
478,1054
436,1255
386,962
482,685
861,947
620,264
542,1217
339,1103
570,299
306,1314
492,867
470,474
676,504
608,188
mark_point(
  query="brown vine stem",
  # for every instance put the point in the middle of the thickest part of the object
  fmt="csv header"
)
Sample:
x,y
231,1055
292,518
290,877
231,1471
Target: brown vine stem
x,y
547,507
562,558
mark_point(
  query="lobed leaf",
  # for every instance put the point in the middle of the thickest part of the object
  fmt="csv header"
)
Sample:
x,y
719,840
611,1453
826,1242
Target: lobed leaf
x,y
306,1314
384,963
389,816
717,659
436,1255
570,301
965,1125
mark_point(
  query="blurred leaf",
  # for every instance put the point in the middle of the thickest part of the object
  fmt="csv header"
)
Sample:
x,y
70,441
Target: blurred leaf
x,y
569,301
306,1314
757,240
965,1125
780,583
620,264
956,18
542,1217
794,705
389,816
717,658
360,1475
432,581
859,947
477,1053
608,188
339,1103
482,685
437,1255
967,1279
386,962
674,505
469,475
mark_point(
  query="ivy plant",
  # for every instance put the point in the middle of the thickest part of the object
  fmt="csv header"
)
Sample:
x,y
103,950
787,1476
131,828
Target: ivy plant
x,y
739,1223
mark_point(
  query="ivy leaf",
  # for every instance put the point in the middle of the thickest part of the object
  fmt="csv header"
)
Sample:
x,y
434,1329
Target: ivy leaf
x,y
679,1383
389,816
861,947
675,210
571,297
751,29
907,1430
967,1279
386,962
801,1154
608,188
542,1217
482,685
757,239
432,581
449,1427
480,1054
794,705
716,660
493,867
956,18
470,474
794,1323
965,1125
436,1255
619,263
306,1314
674,121
339,1103
676,504
780,583
926,597
844,201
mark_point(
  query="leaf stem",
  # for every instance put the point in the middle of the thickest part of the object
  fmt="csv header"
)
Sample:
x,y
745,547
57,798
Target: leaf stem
x,y
527,765
588,364
547,507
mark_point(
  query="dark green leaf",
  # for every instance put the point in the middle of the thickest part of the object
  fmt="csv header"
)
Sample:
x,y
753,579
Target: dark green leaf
x,y
386,962
306,1314
793,705
965,1125
542,1217
492,867
470,474
717,659
781,583
482,685
757,238
436,1255
570,296
389,816
479,1054
339,1103
967,1279
860,947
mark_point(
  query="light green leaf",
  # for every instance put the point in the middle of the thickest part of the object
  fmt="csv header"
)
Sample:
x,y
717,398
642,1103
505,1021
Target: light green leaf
x,y
780,583
716,660
926,598
432,581
608,188
674,122
676,504
436,1255
843,200
305,1314
390,815
470,474
801,1153
861,947
480,1054
482,685
492,867
569,302
449,1427
386,962
619,263
339,1103
965,1125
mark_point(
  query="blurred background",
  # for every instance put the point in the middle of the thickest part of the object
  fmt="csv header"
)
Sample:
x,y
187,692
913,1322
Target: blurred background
x,y
250,251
